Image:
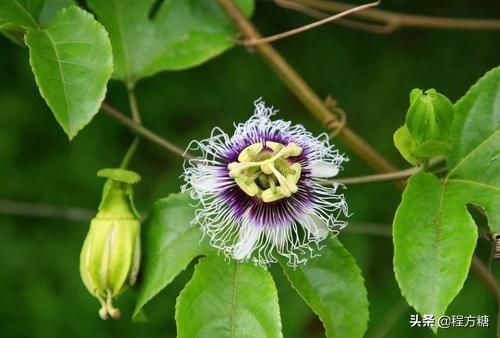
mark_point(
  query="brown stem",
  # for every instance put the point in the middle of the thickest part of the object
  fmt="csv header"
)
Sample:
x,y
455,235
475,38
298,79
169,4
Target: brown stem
x,y
134,108
485,276
317,108
388,177
304,93
321,22
144,132
16,208
354,24
398,20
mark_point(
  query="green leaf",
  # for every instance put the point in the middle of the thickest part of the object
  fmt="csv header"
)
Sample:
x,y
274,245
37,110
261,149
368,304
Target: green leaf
x,y
170,243
434,235
20,13
434,239
431,149
228,300
51,8
332,285
181,34
475,160
72,63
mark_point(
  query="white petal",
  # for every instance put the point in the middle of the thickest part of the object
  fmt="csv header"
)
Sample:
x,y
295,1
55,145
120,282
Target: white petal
x,y
323,169
247,238
204,183
315,225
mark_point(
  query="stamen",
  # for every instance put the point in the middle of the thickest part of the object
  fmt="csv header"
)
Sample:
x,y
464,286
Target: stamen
x,y
250,152
254,183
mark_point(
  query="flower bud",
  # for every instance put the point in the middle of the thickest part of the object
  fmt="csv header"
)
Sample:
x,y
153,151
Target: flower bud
x,y
429,117
110,257
427,128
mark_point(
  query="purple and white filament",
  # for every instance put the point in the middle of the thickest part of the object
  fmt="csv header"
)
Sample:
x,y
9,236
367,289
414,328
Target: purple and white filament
x,y
261,192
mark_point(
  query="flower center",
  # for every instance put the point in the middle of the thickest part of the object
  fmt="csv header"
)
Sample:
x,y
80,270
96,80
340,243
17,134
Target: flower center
x,y
266,173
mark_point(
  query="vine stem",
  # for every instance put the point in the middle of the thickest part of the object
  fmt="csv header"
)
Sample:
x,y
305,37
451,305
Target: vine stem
x,y
354,24
393,21
147,134
136,116
318,109
305,94
134,108
388,177
130,153
143,131
302,29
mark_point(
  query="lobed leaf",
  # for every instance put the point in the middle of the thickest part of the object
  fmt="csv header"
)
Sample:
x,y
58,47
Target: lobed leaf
x,y
434,234
177,35
332,285
228,300
170,243
72,63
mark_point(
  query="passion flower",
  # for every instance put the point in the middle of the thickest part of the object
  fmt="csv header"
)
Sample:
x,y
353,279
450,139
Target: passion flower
x,y
262,191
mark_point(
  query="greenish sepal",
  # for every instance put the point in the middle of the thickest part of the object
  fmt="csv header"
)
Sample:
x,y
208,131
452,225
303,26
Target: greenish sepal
x,y
120,175
130,195
431,149
405,144
415,94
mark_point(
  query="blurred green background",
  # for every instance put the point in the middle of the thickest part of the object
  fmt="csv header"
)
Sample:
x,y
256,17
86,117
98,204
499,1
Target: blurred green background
x,y
370,75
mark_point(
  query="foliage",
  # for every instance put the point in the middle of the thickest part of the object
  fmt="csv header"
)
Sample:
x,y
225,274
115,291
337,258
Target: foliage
x,y
74,54
434,234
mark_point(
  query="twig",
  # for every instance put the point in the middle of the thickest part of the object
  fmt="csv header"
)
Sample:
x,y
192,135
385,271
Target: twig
x,y
354,24
136,117
304,93
253,42
130,152
481,271
396,20
9,207
317,108
144,132
389,177
134,108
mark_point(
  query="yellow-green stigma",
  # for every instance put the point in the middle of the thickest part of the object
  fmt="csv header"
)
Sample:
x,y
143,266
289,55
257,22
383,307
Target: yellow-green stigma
x,y
266,173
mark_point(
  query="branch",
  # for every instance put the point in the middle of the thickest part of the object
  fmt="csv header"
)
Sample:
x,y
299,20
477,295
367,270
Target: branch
x,y
304,93
395,20
9,207
329,19
144,132
485,276
354,24
388,177
317,108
